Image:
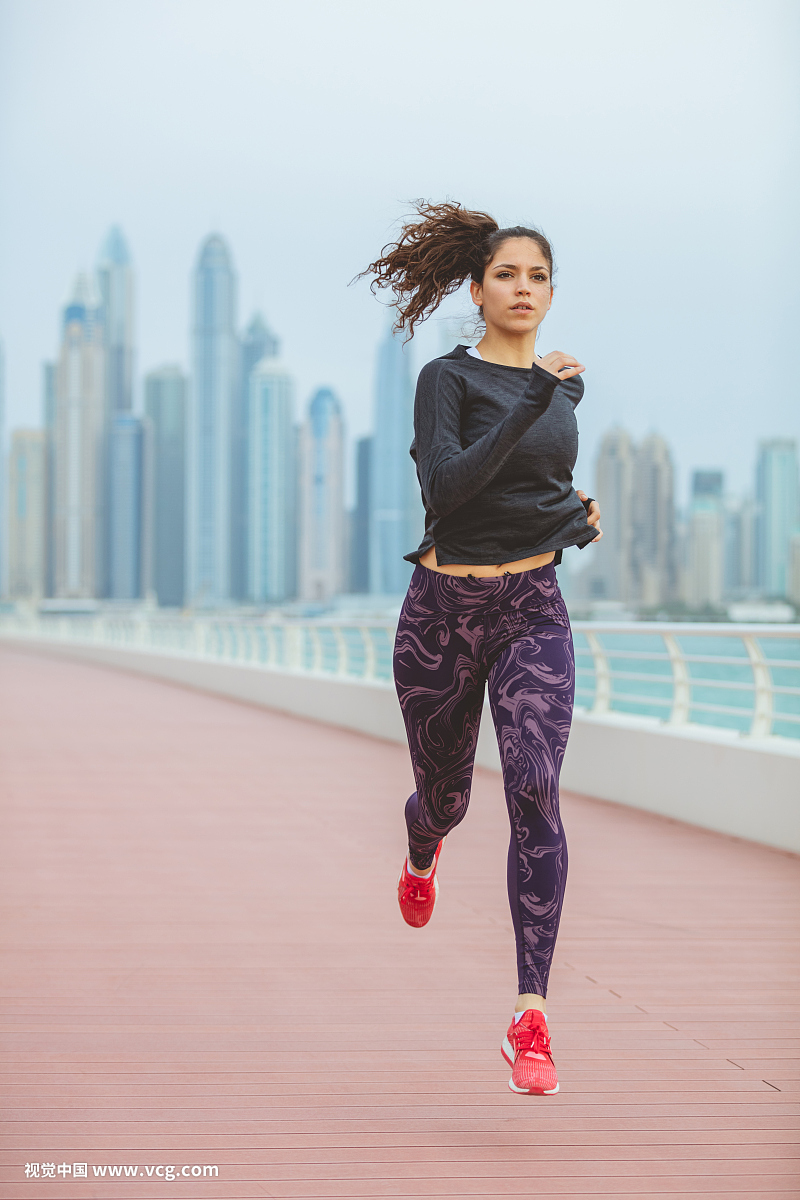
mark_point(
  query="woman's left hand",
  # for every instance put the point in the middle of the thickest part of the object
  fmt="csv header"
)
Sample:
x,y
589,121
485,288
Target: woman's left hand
x,y
593,516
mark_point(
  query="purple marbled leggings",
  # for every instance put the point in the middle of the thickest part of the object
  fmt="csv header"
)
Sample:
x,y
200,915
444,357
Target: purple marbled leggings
x,y
454,636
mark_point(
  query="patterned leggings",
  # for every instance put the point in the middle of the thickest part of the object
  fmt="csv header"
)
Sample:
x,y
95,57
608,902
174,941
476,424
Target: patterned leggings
x,y
455,634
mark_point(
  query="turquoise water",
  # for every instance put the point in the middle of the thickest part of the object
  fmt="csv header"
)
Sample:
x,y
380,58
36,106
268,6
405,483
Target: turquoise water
x,y
721,685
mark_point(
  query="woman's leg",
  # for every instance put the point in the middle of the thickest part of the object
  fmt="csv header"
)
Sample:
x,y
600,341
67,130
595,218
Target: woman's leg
x,y
531,691
440,687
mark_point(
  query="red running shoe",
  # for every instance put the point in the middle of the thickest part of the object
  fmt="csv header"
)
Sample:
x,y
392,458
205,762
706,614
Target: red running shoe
x,y
418,896
526,1049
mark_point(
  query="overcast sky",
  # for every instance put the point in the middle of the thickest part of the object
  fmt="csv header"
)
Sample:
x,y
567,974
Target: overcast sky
x,y
654,142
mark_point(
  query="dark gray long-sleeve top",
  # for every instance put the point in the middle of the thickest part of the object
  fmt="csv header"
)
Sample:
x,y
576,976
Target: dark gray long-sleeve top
x,y
495,447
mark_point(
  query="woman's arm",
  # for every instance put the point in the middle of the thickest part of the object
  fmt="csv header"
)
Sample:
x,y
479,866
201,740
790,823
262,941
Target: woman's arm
x,y
449,474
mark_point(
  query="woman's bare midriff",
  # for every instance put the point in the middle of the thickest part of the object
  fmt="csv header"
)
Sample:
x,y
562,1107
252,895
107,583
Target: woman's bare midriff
x,y
428,559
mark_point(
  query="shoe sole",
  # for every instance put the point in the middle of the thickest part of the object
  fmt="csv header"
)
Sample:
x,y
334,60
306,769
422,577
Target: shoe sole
x,y
507,1051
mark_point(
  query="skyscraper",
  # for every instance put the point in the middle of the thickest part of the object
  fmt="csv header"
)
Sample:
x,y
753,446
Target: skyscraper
x,y
49,376
611,573
165,406
3,485
258,342
396,515
777,516
704,578
26,514
321,454
129,556
653,522
271,509
115,283
739,555
79,451
214,379
359,544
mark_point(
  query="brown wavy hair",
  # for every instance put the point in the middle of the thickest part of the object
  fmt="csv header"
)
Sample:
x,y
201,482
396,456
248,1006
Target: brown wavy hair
x,y
436,253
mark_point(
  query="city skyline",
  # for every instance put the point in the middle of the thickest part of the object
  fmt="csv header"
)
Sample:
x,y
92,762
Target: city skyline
x,y
220,493
678,129
114,284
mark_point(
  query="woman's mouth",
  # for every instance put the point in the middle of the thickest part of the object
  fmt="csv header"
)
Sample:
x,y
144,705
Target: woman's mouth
x,y
522,308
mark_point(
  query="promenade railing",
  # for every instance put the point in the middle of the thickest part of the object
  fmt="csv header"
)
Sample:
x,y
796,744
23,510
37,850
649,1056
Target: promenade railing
x,y
745,678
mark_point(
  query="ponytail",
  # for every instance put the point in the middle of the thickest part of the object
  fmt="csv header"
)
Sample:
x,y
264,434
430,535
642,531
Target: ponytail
x,y
435,255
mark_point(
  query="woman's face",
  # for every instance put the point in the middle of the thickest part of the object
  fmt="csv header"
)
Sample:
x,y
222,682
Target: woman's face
x,y
517,290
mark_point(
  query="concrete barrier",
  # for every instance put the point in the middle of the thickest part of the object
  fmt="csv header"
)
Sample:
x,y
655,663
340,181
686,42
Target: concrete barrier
x,y
709,777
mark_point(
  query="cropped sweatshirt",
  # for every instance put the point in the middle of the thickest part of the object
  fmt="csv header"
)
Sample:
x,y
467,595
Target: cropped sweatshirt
x,y
495,447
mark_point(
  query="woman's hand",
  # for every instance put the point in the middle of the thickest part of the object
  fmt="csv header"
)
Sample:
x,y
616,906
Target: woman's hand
x,y
593,515
563,366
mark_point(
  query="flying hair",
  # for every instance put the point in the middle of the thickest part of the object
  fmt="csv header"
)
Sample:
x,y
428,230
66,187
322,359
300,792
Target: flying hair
x,y
437,253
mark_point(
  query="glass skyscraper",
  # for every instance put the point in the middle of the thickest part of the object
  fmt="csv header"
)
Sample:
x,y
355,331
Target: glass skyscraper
x,y
321,567
26,514
653,522
115,283
80,450
165,406
396,515
116,315
778,517
215,354
128,554
359,548
257,342
705,579
271,508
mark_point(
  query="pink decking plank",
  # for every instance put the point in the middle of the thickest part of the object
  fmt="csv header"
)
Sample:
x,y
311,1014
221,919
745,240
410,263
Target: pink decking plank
x,y
184,981
691,1189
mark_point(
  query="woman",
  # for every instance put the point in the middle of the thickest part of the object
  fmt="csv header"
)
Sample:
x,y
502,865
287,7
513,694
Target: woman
x,y
495,441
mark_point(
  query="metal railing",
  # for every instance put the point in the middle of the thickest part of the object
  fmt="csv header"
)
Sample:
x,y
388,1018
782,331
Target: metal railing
x,y
741,677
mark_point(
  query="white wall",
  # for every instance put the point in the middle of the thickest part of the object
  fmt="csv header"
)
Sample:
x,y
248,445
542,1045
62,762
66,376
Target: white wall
x,y
712,778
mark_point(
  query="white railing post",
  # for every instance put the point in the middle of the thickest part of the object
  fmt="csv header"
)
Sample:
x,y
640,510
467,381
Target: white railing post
x,y
294,647
369,651
341,650
762,710
681,683
316,642
602,674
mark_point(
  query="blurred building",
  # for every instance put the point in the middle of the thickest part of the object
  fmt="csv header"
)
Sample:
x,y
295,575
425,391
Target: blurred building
x,y
215,363
739,553
115,284
652,521
321,540
257,343
794,570
360,518
397,517
49,376
271,517
165,407
4,516
705,542
777,517
26,514
79,436
610,576
129,527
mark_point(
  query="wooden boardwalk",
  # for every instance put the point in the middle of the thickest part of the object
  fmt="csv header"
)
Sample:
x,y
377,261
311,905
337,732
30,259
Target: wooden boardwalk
x,y
204,965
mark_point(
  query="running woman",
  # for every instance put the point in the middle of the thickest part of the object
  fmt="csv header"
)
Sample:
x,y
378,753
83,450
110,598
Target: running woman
x,y
495,442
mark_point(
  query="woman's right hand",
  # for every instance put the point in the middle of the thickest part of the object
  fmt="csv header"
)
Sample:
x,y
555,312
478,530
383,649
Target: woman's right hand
x,y
563,366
